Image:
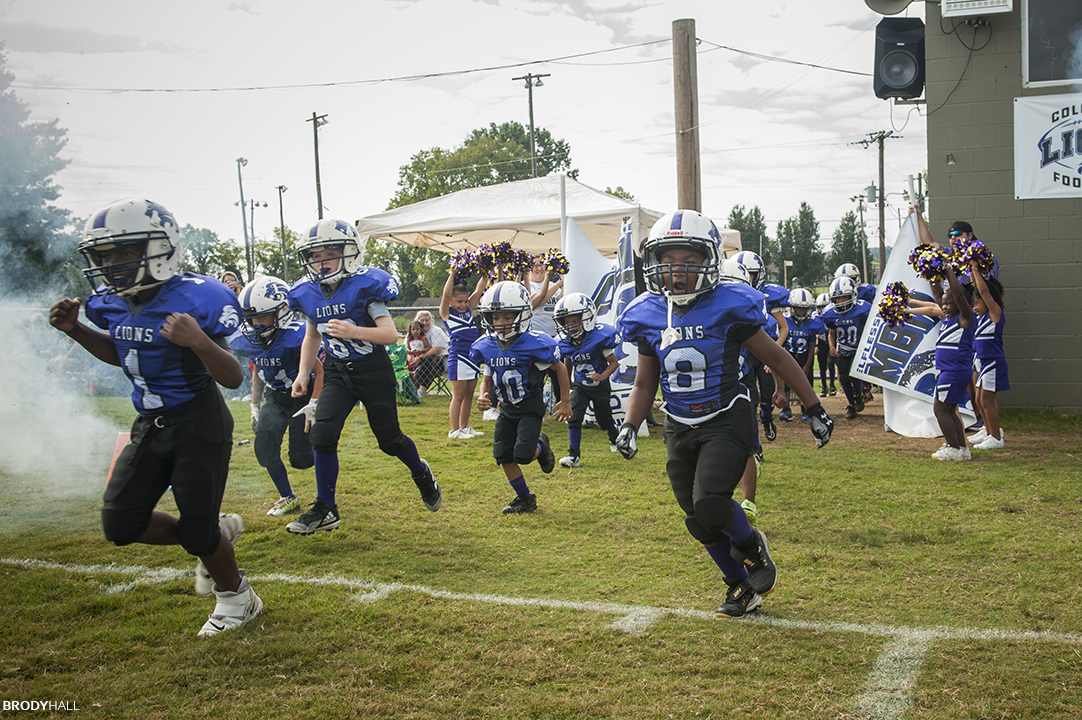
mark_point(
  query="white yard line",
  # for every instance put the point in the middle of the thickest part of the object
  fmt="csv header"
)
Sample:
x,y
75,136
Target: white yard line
x,y
886,696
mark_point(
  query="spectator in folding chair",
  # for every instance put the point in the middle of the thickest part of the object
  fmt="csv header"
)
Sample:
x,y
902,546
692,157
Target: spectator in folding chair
x,y
433,367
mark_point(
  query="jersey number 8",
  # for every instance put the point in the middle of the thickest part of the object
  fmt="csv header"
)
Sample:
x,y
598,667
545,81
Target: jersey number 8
x,y
685,369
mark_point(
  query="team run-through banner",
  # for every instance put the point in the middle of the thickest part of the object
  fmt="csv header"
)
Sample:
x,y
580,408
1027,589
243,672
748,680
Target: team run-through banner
x,y
901,360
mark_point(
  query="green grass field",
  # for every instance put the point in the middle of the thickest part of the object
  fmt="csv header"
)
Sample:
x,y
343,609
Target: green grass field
x,y
908,588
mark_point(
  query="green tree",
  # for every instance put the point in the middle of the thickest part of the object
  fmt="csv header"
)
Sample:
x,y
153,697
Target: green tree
x,y
269,260
752,227
36,237
798,241
489,156
619,192
420,272
847,242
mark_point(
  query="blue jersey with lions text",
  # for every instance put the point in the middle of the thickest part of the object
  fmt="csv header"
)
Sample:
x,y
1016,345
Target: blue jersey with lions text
x,y
700,371
518,370
588,355
801,337
277,365
348,302
849,324
164,375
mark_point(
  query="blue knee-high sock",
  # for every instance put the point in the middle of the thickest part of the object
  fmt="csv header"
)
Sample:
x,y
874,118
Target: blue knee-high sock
x,y
280,477
574,439
520,487
326,475
411,459
739,530
850,390
730,568
766,410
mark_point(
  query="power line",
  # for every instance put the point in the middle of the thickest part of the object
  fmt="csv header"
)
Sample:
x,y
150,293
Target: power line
x,y
346,83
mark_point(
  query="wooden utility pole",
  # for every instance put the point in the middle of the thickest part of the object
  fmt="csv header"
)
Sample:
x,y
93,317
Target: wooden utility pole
x,y
685,89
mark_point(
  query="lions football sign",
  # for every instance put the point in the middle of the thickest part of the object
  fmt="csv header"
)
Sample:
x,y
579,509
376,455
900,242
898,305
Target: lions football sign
x,y
1048,146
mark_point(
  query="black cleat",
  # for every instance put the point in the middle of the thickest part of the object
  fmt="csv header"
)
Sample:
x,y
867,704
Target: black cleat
x,y
431,495
859,404
320,516
754,554
833,390
850,412
740,600
521,505
547,459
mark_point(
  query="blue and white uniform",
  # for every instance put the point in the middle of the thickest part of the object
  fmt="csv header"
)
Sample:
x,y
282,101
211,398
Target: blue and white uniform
x,y
517,370
849,326
588,356
866,292
462,329
277,365
954,361
700,374
988,347
802,335
165,376
776,297
360,299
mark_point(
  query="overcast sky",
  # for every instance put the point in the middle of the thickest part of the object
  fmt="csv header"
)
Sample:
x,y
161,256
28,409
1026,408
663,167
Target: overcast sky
x,y
148,93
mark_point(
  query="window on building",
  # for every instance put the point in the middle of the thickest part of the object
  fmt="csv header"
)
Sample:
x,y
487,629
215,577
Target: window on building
x,y
1051,43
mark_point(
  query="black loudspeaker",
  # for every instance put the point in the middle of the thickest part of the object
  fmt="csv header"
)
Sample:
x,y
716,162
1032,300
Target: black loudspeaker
x,y
899,58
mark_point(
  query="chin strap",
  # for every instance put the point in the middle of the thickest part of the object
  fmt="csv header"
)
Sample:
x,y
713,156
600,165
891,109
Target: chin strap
x,y
671,334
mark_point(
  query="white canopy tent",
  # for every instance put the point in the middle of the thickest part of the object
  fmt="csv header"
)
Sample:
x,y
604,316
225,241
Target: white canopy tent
x,y
525,213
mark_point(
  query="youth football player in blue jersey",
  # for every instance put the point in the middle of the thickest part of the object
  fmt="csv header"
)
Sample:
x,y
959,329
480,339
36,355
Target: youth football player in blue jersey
x,y
346,307
865,292
777,298
845,320
588,349
168,331
456,309
804,328
689,329
953,361
271,337
516,361
822,349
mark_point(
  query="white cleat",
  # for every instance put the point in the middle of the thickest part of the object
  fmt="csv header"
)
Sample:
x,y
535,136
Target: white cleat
x,y
233,610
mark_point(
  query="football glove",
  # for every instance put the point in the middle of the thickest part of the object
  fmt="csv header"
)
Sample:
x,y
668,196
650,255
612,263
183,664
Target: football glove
x,y
625,441
309,412
821,424
255,416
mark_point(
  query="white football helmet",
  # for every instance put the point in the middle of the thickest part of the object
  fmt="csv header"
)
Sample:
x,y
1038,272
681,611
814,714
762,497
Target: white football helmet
x,y
733,272
844,290
821,302
345,244
801,302
754,265
850,271
570,306
506,296
141,227
681,229
265,297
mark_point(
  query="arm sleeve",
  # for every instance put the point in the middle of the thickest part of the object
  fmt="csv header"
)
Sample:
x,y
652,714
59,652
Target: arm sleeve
x,y
377,309
646,349
741,333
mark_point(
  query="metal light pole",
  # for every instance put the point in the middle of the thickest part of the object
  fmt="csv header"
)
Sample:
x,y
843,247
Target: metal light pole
x,y
318,121
531,81
241,162
282,224
859,200
251,219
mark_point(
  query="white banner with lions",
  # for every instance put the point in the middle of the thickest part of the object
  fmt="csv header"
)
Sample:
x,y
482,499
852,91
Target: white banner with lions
x,y
1048,146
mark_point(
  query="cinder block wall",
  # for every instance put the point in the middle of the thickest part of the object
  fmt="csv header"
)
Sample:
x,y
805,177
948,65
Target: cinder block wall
x,y
1038,242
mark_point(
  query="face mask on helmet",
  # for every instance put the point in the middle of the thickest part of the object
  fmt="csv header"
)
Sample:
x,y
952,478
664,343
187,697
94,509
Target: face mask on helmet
x,y
575,315
266,310
843,294
505,310
681,257
330,250
130,246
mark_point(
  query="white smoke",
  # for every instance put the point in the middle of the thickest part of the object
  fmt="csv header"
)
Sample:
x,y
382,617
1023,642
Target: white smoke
x,y
53,441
